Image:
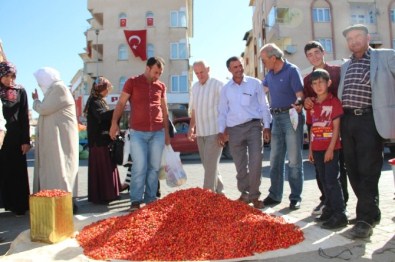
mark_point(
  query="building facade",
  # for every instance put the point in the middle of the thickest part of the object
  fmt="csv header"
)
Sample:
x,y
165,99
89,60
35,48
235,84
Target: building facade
x,y
291,24
124,33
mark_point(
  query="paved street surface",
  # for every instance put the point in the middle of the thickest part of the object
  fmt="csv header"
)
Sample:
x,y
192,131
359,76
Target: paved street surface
x,y
379,247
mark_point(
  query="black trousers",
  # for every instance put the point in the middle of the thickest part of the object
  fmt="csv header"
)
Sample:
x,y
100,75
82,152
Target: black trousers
x,y
363,156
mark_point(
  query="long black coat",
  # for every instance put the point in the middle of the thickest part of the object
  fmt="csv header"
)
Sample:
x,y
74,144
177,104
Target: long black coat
x,y
99,122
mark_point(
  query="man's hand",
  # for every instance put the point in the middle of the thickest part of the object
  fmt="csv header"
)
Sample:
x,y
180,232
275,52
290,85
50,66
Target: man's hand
x,y
267,135
191,133
309,103
114,131
25,148
221,139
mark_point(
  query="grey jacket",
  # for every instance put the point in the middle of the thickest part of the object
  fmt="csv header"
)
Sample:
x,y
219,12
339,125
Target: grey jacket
x,y
382,79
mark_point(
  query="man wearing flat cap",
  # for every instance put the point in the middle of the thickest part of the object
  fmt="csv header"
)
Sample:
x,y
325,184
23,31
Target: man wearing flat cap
x,y
367,92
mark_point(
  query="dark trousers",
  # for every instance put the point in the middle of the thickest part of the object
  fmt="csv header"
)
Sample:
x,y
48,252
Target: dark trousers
x,y
329,177
343,176
363,155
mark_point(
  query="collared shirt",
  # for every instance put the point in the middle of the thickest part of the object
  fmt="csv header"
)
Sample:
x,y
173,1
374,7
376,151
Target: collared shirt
x,y
283,85
242,103
357,89
145,103
204,101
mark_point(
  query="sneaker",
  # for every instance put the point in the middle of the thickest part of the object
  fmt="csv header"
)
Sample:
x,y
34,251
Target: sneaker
x,y
318,209
134,206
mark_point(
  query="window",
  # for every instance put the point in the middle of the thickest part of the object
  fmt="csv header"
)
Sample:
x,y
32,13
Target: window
x,y
122,20
178,50
179,83
358,19
282,15
372,17
150,18
150,50
321,15
392,15
122,81
327,44
122,52
178,19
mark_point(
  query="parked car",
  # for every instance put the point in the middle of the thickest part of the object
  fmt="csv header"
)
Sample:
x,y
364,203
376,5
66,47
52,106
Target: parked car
x,y
181,143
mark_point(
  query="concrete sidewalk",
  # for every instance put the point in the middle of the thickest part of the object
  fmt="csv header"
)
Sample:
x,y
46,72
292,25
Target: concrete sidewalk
x,y
379,247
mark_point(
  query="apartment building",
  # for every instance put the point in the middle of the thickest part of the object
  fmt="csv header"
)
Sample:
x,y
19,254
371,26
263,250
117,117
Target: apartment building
x,y
123,34
290,24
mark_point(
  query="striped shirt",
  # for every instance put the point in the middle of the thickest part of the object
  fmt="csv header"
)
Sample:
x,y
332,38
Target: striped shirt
x,y
357,89
204,101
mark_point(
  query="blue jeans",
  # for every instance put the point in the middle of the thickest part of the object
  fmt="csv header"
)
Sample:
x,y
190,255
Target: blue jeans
x,y
286,140
146,150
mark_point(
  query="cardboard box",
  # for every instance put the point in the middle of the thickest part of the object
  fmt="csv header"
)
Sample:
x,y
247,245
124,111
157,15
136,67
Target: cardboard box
x,y
51,218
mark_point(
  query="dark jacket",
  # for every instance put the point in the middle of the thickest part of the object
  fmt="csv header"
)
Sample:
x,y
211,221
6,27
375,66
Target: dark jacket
x,y
99,122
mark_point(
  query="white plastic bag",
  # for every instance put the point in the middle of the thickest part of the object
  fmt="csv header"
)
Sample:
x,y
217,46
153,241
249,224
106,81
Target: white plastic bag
x,y
126,147
294,116
175,173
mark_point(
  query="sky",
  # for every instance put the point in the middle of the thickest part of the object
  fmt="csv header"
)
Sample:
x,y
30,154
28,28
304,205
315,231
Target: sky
x,y
37,33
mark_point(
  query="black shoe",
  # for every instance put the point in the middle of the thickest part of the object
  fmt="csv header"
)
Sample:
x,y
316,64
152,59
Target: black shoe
x,y
294,205
270,201
324,217
361,229
336,221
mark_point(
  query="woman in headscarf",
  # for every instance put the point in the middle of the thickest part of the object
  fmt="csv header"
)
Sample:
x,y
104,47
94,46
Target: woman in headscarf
x,y
14,183
103,176
56,151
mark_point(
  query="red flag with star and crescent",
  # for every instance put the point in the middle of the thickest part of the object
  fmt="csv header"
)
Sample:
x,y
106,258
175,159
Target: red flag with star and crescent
x,y
137,40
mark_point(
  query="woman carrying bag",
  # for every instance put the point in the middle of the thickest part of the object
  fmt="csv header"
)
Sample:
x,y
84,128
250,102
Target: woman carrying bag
x,y
103,175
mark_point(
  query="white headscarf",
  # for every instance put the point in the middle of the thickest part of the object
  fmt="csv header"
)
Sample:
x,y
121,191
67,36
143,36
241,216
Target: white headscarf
x,y
45,77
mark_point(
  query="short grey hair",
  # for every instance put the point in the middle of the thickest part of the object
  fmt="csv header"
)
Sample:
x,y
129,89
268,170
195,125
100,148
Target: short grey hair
x,y
271,49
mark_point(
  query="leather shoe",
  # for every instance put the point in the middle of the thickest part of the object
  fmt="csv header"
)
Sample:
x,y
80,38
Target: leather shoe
x,y
258,204
244,198
294,205
336,221
361,229
325,216
270,201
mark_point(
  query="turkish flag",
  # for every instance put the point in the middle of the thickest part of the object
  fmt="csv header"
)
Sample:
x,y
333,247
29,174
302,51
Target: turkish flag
x,y
137,40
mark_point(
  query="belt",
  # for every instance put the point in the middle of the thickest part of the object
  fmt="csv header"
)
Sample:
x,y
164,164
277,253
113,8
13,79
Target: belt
x,y
280,110
358,111
252,120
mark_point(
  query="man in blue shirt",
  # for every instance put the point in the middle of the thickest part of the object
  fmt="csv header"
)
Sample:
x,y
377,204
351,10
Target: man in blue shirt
x,y
285,85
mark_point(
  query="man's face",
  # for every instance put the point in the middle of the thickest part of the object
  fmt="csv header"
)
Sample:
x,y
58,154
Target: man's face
x,y
201,73
236,68
154,73
315,57
268,61
357,41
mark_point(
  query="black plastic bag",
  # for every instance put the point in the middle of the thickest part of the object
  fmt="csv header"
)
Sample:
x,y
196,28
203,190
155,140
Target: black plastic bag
x,y
116,149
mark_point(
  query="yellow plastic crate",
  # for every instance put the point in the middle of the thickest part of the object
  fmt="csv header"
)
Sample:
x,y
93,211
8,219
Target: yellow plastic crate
x,y
51,218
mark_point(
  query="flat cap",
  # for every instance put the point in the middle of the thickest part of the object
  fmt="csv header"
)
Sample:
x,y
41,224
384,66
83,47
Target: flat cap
x,y
355,27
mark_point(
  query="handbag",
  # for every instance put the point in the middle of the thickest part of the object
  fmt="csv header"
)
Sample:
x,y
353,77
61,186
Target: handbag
x,y
116,149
